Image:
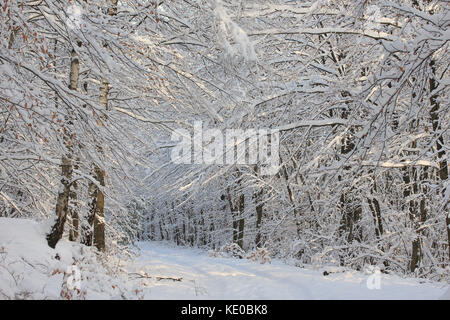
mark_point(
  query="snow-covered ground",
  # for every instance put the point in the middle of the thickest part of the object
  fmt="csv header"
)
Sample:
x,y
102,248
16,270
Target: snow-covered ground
x,y
206,277
29,269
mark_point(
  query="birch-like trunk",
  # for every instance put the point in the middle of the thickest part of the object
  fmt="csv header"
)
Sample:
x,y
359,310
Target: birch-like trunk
x,y
96,218
62,203
97,214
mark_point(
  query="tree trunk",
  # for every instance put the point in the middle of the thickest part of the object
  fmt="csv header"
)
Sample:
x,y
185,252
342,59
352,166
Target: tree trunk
x,y
237,212
233,215
96,215
443,167
259,210
259,214
99,216
73,209
291,198
62,203
374,206
98,199
73,201
94,231
240,239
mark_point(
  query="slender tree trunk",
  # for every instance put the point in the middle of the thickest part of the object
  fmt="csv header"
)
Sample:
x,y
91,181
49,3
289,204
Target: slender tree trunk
x,y
237,211
414,179
374,206
240,239
233,211
99,216
97,196
259,210
94,230
96,215
259,214
291,198
73,198
409,178
437,128
88,219
74,209
62,203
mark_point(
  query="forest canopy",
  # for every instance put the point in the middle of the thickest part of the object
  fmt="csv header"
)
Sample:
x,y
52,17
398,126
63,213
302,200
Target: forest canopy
x,y
92,92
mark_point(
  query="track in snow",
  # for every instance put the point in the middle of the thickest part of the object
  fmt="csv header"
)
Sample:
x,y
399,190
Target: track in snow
x,y
207,277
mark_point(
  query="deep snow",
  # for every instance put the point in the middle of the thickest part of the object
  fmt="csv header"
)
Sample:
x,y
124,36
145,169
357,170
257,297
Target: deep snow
x,y
206,277
29,269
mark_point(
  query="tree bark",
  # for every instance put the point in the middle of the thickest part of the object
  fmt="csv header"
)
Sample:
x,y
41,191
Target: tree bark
x,y
240,239
97,197
62,203
237,212
96,215
443,167
259,210
99,216
73,207
374,206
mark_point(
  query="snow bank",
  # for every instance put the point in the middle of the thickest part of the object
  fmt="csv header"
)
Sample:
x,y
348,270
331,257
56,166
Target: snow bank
x,y
30,269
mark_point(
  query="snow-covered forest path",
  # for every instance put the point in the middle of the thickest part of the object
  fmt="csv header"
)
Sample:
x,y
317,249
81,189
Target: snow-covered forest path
x,y
205,277
29,269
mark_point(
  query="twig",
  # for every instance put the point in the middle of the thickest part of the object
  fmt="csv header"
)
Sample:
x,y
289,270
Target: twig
x,y
147,276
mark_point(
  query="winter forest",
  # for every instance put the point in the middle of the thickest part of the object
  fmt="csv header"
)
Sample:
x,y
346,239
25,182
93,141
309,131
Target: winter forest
x,y
94,94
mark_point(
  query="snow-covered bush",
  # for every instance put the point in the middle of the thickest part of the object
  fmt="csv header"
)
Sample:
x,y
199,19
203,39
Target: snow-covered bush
x,y
260,255
230,250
